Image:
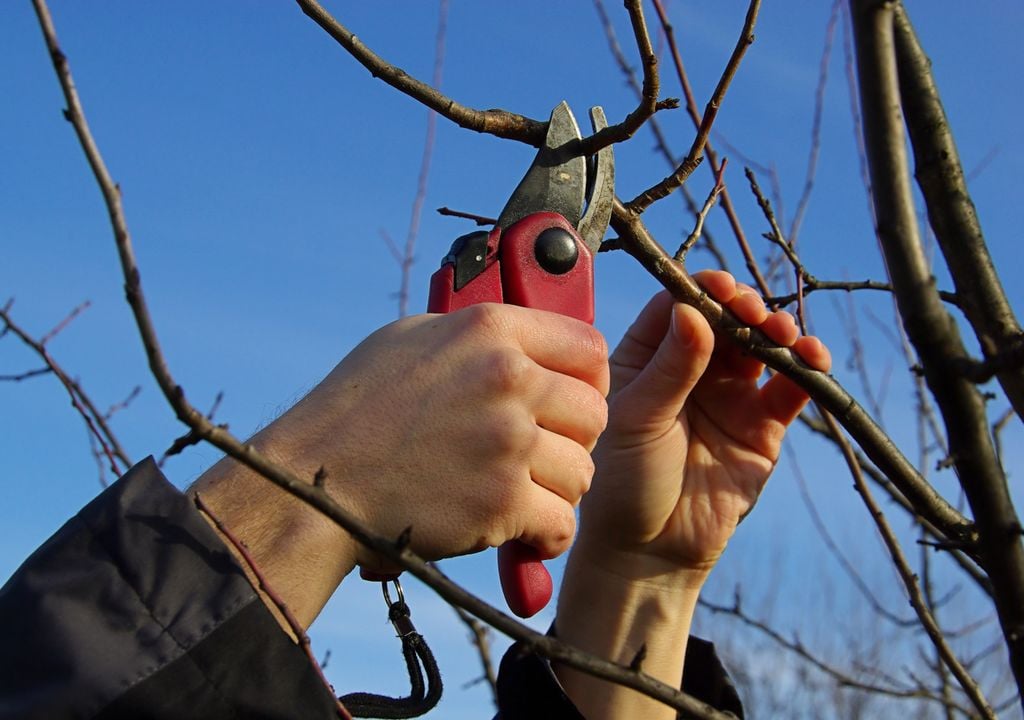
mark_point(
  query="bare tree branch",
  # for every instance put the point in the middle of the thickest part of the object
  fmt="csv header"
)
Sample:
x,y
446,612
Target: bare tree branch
x,y
696,154
96,424
917,601
930,329
951,212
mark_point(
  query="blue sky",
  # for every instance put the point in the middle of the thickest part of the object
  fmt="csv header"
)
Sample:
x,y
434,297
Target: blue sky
x,y
260,164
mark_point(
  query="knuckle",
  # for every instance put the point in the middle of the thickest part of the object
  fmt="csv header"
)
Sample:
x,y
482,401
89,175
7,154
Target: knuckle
x,y
506,370
485,319
512,435
563,530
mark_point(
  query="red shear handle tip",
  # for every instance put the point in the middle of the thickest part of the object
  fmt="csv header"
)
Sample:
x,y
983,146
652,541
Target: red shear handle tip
x,y
524,580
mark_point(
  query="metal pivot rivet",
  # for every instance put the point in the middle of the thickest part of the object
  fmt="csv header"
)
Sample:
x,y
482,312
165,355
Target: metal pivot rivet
x,y
556,251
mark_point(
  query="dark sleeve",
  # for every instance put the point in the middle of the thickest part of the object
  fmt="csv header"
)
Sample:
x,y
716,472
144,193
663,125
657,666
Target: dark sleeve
x,y
528,688
135,609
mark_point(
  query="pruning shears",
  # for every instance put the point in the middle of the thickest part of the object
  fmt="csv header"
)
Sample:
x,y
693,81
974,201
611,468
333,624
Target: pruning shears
x,y
539,255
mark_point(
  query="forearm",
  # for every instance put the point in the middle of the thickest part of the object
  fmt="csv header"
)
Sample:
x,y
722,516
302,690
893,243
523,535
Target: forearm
x,y
614,614
302,555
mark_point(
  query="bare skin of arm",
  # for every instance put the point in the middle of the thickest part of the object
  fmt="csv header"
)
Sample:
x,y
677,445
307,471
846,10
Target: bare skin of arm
x,y
473,428
692,437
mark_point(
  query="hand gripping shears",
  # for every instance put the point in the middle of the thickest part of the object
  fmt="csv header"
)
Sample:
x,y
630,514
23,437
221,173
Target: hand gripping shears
x,y
540,254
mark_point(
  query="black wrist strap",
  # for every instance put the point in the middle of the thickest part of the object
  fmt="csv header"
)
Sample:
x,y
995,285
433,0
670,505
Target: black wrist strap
x,y
419,661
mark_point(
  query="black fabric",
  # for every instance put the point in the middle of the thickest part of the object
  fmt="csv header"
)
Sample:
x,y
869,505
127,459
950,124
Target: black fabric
x,y
126,600
246,668
135,609
528,688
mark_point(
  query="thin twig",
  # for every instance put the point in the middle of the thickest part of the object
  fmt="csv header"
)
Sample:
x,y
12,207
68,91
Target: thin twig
x,y
917,601
408,252
698,122
696,154
800,650
698,227
95,421
480,220
819,105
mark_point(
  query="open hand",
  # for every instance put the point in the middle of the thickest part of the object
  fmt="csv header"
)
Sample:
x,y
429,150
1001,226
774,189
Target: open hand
x,y
692,435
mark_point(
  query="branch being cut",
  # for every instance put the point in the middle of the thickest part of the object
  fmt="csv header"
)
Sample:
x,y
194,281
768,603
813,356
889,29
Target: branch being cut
x,y
648,96
639,243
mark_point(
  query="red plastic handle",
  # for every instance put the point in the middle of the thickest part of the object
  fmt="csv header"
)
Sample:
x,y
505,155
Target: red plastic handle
x,y
513,275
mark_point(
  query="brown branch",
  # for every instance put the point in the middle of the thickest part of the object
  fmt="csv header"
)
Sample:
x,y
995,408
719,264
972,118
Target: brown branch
x,y
493,122
304,489
813,284
951,212
800,650
95,421
906,573
501,123
264,587
698,122
636,240
696,154
698,227
480,220
930,329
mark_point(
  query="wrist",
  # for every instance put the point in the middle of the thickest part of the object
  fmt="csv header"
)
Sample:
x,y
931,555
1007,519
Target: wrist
x,y
302,554
641,567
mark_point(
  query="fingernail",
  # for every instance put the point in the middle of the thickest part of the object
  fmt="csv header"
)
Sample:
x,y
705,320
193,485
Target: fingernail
x,y
684,333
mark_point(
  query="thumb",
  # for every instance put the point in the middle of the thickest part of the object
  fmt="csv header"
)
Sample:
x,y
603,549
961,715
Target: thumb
x,y
656,396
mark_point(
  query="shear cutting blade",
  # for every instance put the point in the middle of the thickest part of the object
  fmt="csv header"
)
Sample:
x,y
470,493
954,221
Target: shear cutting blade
x,y
555,181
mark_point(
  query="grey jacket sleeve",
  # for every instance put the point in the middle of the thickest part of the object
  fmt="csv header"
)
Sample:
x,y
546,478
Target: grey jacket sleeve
x,y
135,608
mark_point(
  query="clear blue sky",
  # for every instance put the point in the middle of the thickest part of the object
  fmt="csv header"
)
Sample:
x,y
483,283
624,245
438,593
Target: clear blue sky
x,y
259,165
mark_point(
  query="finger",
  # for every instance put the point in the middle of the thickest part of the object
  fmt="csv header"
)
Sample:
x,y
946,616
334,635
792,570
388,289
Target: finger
x,y
657,395
561,466
813,352
571,408
549,524
554,341
783,397
641,340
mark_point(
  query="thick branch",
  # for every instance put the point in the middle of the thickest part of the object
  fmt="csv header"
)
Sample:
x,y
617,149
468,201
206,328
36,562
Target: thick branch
x,y
951,212
930,329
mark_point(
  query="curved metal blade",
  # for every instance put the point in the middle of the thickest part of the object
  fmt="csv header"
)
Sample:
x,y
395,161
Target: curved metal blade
x,y
554,181
602,189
